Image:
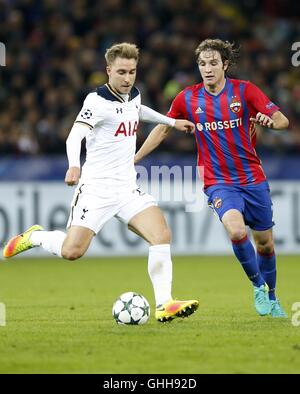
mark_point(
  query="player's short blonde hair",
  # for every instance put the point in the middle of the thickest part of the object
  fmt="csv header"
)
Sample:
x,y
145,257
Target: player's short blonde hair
x,y
123,50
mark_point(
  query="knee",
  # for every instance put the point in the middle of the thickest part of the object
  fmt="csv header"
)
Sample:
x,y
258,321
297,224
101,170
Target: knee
x,y
237,233
265,246
71,253
162,237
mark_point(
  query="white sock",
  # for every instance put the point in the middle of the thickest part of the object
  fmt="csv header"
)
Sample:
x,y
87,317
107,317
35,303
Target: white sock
x,y
160,272
51,241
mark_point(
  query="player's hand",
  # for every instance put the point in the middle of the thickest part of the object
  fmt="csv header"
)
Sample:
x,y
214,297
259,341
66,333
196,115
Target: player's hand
x,y
184,125
262,120
72,176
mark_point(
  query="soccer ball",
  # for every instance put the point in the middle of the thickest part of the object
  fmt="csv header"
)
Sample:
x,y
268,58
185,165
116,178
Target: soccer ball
x,y
131,308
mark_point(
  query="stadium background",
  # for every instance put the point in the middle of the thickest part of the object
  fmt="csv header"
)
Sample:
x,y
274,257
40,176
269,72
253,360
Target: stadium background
x,y
58,313
54,57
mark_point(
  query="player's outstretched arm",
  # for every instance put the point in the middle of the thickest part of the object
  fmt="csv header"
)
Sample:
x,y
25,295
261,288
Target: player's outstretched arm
x,y
77,133
184,125
149,115
157,135
277,121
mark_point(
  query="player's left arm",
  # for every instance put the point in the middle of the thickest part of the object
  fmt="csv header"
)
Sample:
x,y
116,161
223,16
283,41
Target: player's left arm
x,y
277,121
267,113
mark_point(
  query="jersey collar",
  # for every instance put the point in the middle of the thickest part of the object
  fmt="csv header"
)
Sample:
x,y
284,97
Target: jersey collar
x,y
115,93
108,93
219,94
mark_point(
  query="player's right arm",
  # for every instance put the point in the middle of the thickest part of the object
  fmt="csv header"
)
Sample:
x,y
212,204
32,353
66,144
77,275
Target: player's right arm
x,y
78,132
91,114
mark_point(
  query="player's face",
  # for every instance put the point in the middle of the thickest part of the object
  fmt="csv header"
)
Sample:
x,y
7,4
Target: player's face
x,y
122,74
212,68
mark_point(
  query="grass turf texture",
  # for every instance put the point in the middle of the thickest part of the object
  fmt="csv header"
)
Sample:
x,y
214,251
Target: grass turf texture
x,y
59,319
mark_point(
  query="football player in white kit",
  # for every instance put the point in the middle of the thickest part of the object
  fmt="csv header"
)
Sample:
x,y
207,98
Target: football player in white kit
x,y
107,185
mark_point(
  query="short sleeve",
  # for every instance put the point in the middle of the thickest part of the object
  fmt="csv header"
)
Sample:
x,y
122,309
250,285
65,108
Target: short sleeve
x,y
91,112
177,109
258,101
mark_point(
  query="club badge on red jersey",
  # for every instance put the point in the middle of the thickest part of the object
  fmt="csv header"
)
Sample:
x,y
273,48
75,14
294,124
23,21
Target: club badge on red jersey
x,y
235,104
217,202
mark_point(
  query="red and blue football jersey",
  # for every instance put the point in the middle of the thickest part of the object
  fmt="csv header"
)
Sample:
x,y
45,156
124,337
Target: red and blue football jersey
x,y
224,135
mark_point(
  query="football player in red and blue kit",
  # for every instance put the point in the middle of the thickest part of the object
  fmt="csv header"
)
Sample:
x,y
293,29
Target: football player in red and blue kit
x,y
225,112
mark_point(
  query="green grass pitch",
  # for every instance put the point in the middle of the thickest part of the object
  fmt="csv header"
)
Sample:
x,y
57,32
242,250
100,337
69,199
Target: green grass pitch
x,y
59,319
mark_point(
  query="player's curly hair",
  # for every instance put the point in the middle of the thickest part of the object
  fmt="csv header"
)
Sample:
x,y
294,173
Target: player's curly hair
x,y
123,50
225,48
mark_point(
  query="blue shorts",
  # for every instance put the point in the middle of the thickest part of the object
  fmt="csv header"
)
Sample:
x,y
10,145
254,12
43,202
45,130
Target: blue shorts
x,y
253,201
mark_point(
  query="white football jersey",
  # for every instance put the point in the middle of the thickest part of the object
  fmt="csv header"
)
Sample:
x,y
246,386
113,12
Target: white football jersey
x,y
111,141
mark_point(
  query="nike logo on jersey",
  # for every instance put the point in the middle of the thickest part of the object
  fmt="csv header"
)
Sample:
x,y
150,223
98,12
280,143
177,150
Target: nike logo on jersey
x,y
127,129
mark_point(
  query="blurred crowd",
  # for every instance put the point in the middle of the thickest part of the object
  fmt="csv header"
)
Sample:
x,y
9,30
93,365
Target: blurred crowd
x,y
55,56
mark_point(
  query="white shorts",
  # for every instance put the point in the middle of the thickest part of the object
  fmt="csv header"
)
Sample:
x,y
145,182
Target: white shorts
x,y
92,206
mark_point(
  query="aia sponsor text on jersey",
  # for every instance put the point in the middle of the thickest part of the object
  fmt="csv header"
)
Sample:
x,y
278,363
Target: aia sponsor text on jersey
x,y
127,129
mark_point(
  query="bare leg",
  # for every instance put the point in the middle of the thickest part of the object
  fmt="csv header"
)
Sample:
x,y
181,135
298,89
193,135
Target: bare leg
x,y
77,242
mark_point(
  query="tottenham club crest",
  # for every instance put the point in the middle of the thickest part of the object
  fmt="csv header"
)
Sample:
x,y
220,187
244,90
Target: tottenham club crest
x,y
86,114
217,202
235,105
